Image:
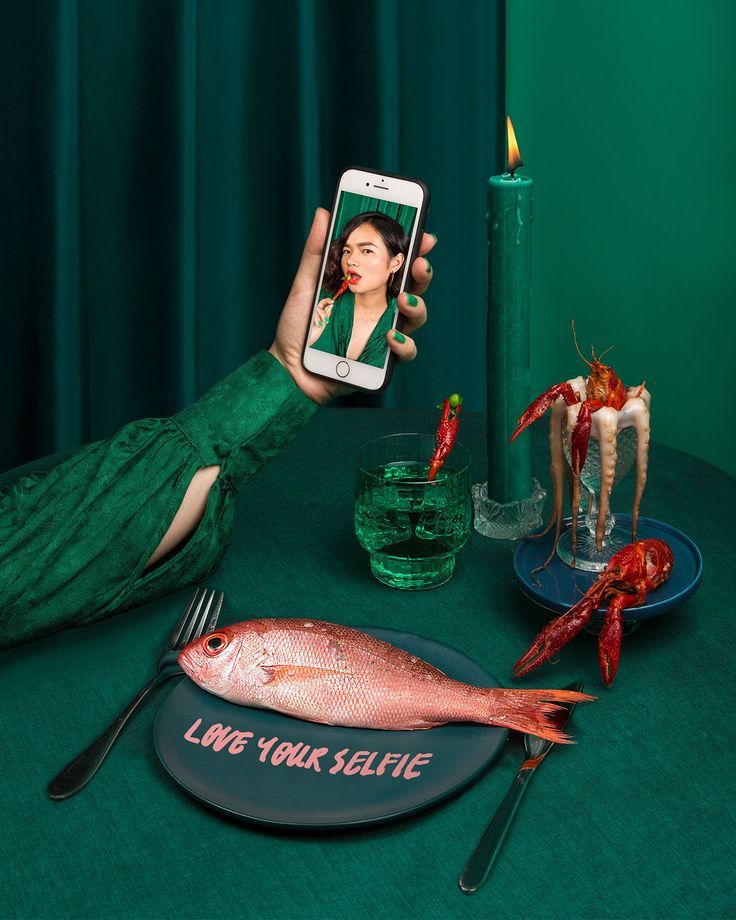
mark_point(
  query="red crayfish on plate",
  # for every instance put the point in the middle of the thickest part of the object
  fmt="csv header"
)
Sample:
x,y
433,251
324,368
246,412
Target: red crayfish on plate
x,y
631,572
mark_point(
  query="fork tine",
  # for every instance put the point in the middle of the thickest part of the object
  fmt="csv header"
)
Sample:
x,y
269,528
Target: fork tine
x,y
194,627
177,630
215,615
185,632
199,629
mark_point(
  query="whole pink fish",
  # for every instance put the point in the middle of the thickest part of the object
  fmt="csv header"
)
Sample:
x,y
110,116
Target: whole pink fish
x,y
327,673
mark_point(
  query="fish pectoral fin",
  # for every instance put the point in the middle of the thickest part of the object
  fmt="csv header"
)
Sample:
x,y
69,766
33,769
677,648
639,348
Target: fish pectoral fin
x,y
273,672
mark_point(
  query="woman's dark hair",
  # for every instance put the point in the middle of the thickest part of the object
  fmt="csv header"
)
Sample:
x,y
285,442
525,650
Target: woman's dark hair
x,y
392,234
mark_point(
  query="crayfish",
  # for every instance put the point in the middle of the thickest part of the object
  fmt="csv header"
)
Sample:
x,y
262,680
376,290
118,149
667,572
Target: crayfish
x,y
603,405
630,574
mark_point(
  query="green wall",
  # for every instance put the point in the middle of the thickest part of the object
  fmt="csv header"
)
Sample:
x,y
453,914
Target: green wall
x,y
625,118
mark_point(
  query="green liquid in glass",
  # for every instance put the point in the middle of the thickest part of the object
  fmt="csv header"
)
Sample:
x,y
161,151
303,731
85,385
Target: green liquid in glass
x,y
412,527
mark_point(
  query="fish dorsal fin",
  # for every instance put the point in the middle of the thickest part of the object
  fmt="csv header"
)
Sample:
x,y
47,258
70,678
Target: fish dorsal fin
x,y
290,672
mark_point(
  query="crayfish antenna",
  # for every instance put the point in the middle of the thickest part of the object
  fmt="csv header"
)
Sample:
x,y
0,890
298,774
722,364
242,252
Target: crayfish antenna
x,y
575,339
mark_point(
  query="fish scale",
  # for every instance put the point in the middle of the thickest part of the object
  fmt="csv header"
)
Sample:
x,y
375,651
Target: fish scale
x,y
325,672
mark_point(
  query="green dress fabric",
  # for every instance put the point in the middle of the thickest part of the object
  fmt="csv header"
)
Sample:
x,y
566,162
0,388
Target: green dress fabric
x,y
74,540
335,337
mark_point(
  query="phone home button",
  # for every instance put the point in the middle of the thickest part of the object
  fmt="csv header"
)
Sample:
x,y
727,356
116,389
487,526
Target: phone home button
x,y
342,369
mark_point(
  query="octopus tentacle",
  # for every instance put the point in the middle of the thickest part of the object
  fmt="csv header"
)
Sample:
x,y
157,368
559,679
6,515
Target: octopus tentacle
x,y
580,385
607,427
557,462
575,503
572,419
637,411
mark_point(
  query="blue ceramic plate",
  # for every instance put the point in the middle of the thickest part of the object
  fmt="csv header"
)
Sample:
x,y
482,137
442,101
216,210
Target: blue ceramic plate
x,y
353,782
559,587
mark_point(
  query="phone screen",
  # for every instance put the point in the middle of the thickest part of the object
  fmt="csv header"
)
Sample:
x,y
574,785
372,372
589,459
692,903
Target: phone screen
x,y
365,270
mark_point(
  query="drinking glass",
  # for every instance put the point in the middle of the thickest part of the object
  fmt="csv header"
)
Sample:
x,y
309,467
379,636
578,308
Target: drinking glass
x,y
615,537
411,527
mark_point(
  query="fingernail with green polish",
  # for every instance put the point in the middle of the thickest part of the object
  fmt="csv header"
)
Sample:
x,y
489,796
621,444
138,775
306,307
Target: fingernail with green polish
x,y
320,324
411,300
435,237
429,267
399,336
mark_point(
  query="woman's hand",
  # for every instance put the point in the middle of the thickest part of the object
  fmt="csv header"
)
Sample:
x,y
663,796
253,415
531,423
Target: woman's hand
x,y
289,342
321,317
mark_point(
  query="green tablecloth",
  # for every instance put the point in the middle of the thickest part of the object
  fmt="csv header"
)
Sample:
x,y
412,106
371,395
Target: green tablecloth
x,y
636,820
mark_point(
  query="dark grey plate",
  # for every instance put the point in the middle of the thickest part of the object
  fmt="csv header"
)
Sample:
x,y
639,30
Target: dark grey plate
x,y
244,787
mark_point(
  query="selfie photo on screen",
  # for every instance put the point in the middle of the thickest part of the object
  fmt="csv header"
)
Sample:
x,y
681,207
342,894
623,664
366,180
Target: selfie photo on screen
x,y
356,305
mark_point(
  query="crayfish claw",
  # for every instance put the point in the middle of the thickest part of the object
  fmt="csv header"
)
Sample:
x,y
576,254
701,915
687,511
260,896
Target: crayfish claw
x,y
533,657
609,650
609,641
540,405
555,635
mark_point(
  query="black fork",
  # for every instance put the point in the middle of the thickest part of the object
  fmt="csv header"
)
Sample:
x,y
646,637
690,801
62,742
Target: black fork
x,y
199,618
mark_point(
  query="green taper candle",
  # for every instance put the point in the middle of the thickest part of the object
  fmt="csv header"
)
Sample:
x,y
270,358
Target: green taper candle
x,y
509,298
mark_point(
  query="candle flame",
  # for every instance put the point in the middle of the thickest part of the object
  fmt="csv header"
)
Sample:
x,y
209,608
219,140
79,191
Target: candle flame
x,y
515,160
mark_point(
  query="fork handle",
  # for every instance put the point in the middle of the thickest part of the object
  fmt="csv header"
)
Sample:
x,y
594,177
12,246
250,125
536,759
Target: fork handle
x,y
80,771
489,846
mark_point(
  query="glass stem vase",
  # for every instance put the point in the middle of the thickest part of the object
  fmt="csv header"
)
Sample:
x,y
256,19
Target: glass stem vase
x,y
587,556
591,516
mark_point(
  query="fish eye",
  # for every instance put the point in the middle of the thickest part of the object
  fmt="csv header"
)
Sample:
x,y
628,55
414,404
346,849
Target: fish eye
x,y
215,643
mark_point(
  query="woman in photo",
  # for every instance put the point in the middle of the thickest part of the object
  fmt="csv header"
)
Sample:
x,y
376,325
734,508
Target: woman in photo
x,y
370,252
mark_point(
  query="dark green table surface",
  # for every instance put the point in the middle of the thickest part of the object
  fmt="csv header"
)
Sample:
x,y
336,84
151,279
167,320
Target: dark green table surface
x,y
636,820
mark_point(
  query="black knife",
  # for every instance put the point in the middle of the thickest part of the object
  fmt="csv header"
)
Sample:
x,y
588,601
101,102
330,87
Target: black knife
x,y
484,856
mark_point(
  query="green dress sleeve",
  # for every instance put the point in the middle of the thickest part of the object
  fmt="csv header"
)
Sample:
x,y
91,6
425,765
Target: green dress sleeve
x,y
74,540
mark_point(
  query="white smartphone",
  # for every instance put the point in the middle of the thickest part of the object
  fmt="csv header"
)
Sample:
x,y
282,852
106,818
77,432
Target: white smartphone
x,y
375,233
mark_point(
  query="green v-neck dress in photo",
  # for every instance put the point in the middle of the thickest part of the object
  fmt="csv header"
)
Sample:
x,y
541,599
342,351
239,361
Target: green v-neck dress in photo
x,y
74,540
335,337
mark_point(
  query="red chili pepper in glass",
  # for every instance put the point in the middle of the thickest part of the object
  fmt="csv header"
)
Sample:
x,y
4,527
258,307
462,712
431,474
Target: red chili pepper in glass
x,y
446,433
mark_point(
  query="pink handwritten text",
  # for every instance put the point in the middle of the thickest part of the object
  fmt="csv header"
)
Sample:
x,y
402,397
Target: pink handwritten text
x,y
362,762
220,737
277,753
295,755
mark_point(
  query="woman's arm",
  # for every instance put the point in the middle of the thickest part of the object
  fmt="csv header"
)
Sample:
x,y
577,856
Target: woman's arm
x,y
190,513
321,318
286,349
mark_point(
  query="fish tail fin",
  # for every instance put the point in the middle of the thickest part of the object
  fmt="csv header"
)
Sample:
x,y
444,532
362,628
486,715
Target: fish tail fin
x,y
534,712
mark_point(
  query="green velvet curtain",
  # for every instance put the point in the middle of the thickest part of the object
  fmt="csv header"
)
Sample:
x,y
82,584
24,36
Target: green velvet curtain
x,y
352,204
159,167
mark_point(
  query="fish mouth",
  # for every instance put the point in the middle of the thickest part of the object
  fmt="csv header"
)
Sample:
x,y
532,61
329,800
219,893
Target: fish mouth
x,y
186,663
